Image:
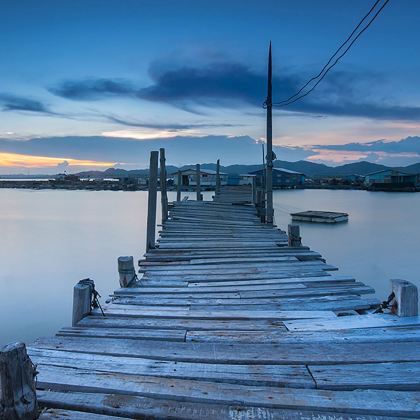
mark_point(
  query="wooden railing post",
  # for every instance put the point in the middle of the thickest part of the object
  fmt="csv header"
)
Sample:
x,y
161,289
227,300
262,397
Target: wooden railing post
x,y
406,298
126,271
294,235
17,384
163,192
151,201
198,181
82,299
178,187
218,177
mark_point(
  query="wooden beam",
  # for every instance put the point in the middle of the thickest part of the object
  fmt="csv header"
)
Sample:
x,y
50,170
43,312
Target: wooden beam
x,y
151,201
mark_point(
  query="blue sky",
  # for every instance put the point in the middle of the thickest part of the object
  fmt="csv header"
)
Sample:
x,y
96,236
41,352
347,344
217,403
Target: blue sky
x,y
156,69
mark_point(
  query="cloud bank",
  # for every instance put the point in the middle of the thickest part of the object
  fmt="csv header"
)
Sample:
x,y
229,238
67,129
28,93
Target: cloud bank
x,y
227,84
182,150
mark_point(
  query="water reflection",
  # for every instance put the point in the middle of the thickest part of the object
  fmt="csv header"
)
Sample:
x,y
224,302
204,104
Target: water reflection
x,y
51,239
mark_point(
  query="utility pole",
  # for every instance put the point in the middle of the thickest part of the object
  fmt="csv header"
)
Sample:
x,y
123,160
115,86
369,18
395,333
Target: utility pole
x,y
269,157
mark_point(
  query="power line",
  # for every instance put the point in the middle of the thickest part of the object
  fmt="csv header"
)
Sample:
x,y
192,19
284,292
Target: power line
x,y
325,70
335,53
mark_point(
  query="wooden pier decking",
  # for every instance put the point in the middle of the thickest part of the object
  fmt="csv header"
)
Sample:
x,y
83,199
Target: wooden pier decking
x,y
228,321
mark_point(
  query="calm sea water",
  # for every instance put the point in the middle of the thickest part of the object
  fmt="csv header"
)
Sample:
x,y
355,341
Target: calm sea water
x,y
51,239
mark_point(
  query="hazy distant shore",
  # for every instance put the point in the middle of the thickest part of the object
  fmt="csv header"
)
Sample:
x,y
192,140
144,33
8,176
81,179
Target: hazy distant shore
x,y
103,185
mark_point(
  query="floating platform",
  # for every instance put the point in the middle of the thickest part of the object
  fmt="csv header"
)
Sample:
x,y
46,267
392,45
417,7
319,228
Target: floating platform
x,y
314,216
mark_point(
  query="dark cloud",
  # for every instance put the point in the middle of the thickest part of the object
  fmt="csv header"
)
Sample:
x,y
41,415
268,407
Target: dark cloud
x,y
93,89
165,126
19,103
408,145
228,84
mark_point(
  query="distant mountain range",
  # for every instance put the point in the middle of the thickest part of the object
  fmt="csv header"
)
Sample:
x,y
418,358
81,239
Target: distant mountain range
x,y
310,169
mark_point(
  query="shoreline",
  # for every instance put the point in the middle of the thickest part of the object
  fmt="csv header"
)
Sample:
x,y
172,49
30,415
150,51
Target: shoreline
x,y
118,186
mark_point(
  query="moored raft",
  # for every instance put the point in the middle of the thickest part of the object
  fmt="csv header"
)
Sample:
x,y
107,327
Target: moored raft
x,y
315,216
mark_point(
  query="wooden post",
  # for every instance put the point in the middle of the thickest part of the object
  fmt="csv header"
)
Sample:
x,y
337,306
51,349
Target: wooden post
x,y
260,204
178,187
163,193
17,384
406,298
197,181
254,190
126,271
294,235
151,201
82,299
218,177
269,157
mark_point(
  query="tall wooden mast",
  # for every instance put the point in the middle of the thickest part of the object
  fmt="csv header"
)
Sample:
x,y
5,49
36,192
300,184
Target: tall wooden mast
x,y
269,157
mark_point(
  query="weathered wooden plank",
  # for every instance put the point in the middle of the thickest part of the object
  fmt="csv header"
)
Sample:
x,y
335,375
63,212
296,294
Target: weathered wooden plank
x,y
366,402
249,274
365,335
144,290
151,408
244,268
59,413
139,334
321,279
366,321
136,311
328,303
179,323
227,353
268,375
287,293
396,376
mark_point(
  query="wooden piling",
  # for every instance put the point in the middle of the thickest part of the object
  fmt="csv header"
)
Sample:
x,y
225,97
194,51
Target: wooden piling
x,y
151,201
269,157
218,177
126,271
294,235
260,204
82,298
17,384
163,192
406,298
178,187
198,183
254,190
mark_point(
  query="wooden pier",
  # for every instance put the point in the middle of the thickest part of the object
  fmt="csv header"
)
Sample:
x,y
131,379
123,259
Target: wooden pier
x,y
228,320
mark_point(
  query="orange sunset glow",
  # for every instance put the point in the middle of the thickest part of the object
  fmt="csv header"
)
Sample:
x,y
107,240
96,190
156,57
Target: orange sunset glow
x,y
29,161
